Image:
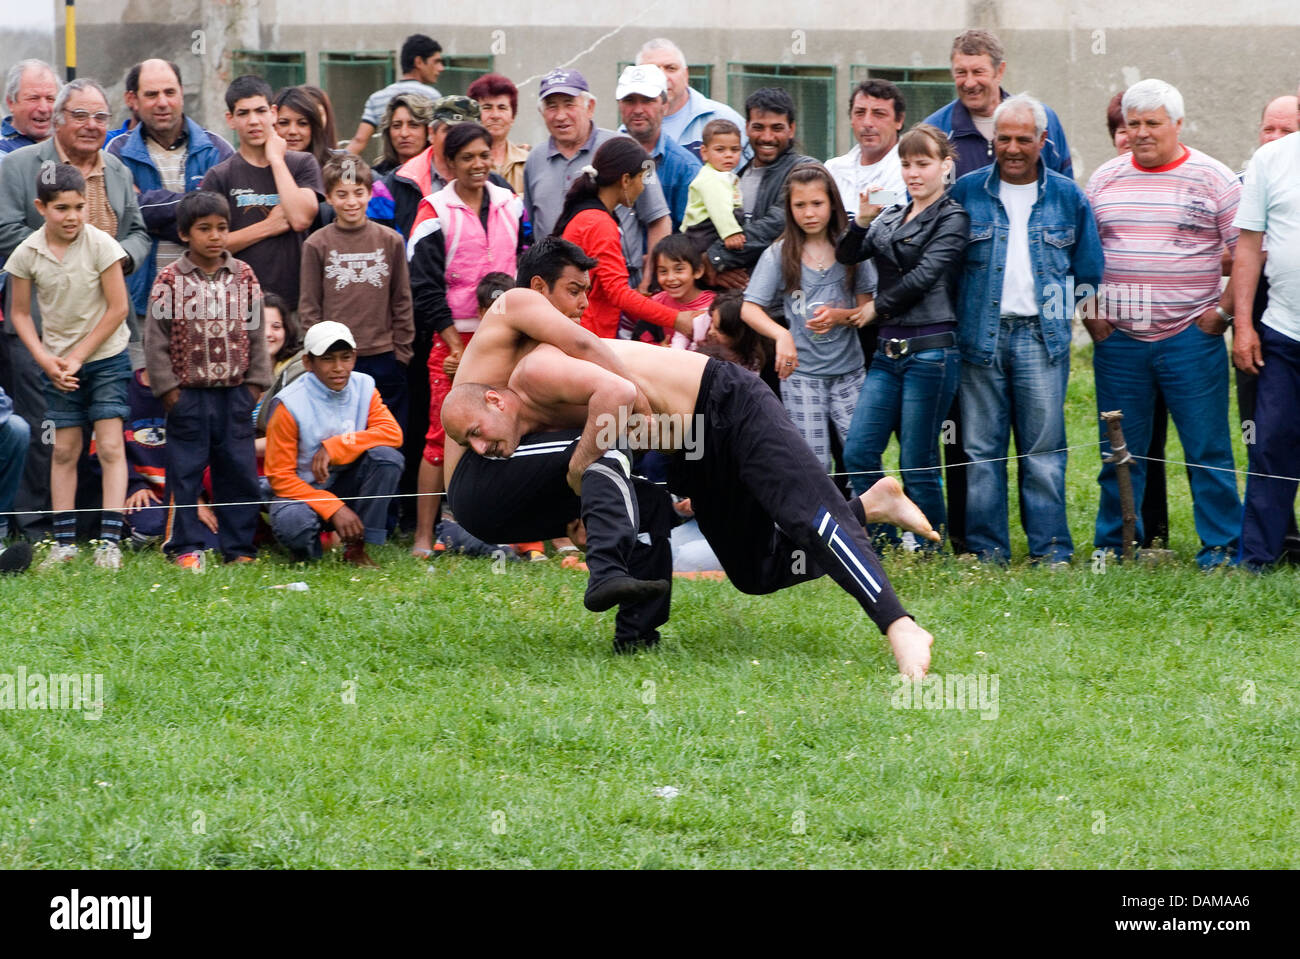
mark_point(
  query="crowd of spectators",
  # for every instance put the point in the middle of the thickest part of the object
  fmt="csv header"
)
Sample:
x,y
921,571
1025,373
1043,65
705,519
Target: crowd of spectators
x,y
215,347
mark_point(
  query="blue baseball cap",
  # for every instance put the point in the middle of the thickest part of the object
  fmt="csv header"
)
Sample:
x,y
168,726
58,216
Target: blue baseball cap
x,y
563,81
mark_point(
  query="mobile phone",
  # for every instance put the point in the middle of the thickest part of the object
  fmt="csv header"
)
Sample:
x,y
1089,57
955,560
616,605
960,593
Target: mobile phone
x,y
884,198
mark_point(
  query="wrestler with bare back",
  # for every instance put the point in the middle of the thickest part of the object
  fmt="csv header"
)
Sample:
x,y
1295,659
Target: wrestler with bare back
x,y
761,498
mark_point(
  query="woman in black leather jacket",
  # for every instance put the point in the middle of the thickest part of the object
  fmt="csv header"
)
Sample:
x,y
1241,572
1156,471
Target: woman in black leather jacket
x,y
917,250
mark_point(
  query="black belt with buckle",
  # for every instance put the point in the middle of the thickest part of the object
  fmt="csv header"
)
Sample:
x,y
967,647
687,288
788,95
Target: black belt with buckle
x,y
895,348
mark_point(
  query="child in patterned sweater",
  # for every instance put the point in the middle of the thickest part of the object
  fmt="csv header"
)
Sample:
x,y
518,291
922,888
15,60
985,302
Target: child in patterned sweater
x,y
208,363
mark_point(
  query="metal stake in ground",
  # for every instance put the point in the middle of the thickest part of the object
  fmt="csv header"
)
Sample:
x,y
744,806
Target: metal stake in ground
x,y
1121,458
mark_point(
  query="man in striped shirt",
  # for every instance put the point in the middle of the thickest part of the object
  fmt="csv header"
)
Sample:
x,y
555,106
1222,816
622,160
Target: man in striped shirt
x,y
1165,213
422,64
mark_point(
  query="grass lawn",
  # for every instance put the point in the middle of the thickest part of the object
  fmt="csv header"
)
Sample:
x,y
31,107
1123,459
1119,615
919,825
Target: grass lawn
x,y
445,715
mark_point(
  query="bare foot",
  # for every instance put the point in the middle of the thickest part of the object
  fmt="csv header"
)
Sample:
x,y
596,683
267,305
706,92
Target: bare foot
x,y
911,645
886,502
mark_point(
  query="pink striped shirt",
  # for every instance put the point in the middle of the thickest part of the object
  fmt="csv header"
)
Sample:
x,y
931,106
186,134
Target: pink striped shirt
x,y
1163,231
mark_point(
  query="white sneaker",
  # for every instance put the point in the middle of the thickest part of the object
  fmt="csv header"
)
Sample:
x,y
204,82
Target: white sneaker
x,y
108,556
59,554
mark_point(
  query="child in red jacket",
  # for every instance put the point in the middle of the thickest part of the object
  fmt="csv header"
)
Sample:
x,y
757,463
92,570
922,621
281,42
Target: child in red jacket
x,y
616,176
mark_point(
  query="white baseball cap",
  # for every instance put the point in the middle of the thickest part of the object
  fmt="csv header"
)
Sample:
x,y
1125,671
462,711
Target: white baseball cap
x,y
645,79
324,335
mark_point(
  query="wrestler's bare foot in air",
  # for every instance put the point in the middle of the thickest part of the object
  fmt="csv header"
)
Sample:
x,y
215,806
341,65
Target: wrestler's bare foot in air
x,y
911,645
886,502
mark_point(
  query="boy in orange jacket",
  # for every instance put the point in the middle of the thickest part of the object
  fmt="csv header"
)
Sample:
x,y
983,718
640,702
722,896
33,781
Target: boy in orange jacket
x,y
333,452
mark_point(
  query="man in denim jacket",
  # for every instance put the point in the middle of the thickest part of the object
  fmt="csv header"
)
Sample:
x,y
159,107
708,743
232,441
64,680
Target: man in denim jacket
x,y
1034,253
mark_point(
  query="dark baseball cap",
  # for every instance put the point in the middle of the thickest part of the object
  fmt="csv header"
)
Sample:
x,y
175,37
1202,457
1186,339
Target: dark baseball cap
x,y
456,109
563,81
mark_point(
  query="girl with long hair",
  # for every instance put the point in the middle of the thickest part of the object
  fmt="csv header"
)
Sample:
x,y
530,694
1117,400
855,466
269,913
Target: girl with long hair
x,y
325,110
819,358
297,119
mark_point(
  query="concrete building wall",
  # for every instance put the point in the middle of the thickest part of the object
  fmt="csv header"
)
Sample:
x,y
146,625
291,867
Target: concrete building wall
x,y
1228,59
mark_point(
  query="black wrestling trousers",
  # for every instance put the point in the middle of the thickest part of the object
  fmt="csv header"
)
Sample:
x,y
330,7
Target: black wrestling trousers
x,y
527,497
764,502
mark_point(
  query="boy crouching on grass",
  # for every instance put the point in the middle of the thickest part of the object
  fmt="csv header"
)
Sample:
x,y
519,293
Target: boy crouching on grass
x,y
207,361
81,350
333,451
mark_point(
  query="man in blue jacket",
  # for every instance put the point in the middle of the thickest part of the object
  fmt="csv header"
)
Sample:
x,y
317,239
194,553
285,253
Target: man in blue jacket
x,y
977,71
167,154
1034,253
31,87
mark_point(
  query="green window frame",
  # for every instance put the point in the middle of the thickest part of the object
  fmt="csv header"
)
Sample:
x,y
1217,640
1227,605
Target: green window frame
x,y
280,68
461,70
349,77
813,88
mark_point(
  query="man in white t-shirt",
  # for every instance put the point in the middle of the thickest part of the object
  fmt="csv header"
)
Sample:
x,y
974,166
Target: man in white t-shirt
x,y
1033,245
876,113
1269,212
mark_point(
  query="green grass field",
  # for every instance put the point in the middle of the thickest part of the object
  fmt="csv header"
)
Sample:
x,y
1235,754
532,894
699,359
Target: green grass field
x,y
445,715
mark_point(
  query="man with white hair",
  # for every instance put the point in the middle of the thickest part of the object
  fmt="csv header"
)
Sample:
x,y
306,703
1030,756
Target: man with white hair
x,y
1165,215
567,107
1033,245
31,87
689,110
1270,348
81,121
978,66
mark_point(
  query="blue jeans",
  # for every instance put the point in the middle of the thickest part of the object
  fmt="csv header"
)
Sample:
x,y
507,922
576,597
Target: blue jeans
x,y
1025,384
909,396
101,395
1270,503
1191,369
375,473
14,437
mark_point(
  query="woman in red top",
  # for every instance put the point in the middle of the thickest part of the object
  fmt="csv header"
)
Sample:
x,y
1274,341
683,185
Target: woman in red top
x,y
588,220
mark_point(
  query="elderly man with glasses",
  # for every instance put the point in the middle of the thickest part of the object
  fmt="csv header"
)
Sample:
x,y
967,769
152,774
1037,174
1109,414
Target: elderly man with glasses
x,y
81,120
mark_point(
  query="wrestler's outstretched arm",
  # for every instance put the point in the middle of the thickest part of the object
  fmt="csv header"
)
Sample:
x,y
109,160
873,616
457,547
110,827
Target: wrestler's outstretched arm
x,y
554,388
531,315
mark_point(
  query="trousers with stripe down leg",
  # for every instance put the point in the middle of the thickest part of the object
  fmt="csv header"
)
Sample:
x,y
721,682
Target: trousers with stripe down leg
x,y
764,502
